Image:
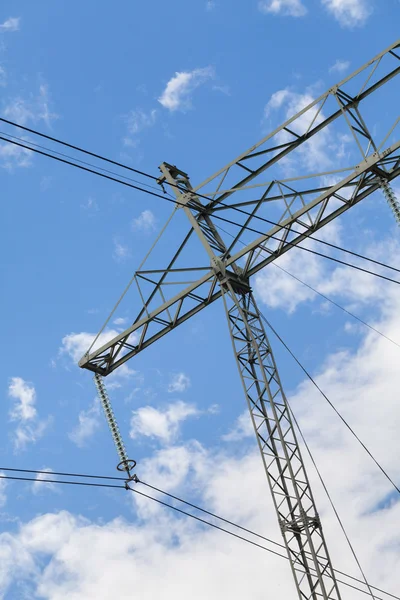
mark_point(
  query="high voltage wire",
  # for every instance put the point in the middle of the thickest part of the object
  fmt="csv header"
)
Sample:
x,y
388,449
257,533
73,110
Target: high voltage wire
x,y
53,139
115,179
148,175
323,296
243,227
331,404
79,161
105,176
165,504
337,305
331,502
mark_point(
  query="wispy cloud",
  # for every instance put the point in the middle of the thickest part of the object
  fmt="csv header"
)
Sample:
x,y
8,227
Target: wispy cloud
x,y
291,8
38,486
179,89
136,121
121,251
90,205
210,5
32,110
120,321
3,77
24,396
161,424
88,423
75,345
179,383
11,24
146,222
340,66
3,485
25,111
317,152
29,427
349,13
242,429
14,156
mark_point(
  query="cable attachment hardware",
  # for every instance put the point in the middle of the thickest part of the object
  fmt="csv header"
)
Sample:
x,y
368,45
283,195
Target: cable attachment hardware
x,y
126,463
391,199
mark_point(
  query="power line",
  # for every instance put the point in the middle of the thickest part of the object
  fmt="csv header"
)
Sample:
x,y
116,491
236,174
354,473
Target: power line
x,y
331,501
243,528
62,474
165,504
77,160
144,174
83,168
73,147
323,296
87,483
105,176
169,183
235,535
331,404
337,305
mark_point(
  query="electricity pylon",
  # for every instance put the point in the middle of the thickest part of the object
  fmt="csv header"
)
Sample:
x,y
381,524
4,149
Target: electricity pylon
x,y
305,207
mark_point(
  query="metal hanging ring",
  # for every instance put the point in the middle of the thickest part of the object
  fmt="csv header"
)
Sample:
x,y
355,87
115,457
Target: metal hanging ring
x,y
126,465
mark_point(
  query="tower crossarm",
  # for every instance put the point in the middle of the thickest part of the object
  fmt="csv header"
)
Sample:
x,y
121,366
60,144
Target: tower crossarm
x,y
325,206
342,101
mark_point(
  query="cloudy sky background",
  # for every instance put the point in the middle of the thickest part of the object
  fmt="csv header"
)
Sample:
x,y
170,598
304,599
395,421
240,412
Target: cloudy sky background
x,y
193,86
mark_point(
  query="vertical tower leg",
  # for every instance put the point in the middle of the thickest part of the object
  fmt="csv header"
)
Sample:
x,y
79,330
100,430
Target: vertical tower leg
x,y
280,452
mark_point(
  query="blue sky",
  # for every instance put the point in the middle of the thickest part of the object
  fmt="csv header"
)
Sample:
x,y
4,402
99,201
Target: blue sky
x,y
191,84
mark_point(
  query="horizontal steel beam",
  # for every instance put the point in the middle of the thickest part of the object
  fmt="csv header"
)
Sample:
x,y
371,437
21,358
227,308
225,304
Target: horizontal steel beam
x,y
174,312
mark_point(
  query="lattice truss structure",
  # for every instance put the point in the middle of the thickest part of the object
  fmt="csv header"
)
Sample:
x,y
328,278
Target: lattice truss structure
x,y
351,132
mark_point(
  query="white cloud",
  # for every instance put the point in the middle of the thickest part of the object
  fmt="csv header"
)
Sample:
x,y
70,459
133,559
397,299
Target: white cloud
x,y
3,485
120,321
90,204
162,424
172,553
137,120
292,8
121,252
179,383
14,156
243,429
210,5
10,25
29,427
315,154
349,13
75,345
146,221
38,487
340,66
279,290
88,423
33,110
3,77
24,395
177,94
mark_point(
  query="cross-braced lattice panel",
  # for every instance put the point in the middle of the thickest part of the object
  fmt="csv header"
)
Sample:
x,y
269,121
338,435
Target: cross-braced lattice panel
x,y
292,496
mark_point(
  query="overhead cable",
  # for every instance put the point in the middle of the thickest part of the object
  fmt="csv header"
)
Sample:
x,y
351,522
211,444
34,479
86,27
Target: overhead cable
x,y
324,296
332,405
165,504
115,178
352,550
336,304
126,183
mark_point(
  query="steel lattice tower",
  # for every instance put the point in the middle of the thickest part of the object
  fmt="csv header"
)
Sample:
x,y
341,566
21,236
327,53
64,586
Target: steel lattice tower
x,y
305,206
